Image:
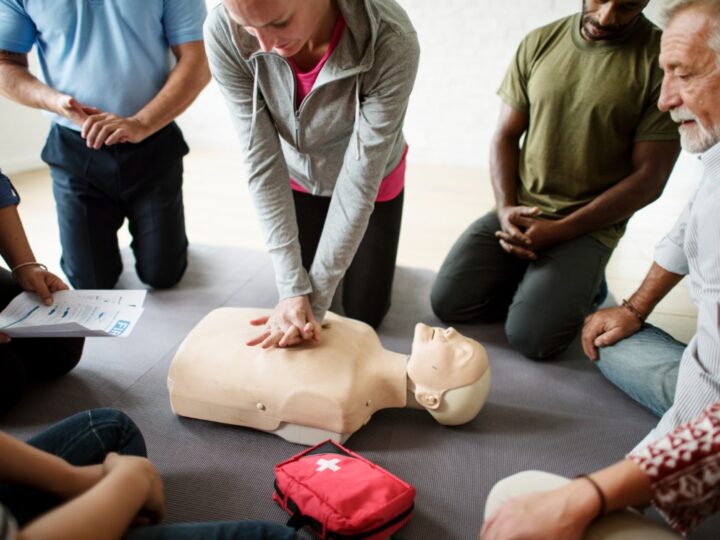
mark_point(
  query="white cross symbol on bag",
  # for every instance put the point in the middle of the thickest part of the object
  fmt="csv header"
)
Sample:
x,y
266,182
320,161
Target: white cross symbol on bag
x,y
324,464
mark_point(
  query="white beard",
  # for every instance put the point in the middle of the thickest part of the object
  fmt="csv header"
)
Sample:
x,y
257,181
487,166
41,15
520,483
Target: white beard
x,y
694,138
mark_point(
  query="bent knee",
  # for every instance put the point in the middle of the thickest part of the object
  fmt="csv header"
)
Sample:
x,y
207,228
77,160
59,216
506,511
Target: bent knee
x,y
67,356
442,303
162,277
80,280
538,336
452,305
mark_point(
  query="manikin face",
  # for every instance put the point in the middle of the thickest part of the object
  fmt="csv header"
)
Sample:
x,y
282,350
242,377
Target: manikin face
x,y
282,26
605,19
691,84
443,359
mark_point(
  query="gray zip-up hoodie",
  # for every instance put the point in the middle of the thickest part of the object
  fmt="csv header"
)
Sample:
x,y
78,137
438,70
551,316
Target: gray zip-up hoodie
x,y
345,137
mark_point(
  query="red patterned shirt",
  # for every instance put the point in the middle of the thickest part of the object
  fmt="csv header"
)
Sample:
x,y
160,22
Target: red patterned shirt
x,y
685,470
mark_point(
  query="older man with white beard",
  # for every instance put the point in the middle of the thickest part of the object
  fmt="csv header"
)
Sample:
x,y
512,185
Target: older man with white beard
x,y
671,379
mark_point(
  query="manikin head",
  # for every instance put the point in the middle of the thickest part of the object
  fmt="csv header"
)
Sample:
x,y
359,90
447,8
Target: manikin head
x,y
690,58
449,374
282,26
606,19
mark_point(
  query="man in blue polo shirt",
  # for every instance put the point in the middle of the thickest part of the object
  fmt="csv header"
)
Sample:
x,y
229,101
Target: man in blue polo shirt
x,y
113,88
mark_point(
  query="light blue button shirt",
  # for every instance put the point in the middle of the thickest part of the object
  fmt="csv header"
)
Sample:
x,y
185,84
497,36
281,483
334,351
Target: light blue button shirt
x,y
693,247
110,54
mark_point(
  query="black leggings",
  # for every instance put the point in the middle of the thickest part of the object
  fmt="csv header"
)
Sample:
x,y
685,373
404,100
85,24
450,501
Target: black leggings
x,y
367,284
24,360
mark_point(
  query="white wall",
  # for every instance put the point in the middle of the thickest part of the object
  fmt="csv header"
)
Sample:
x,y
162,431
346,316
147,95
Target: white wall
x,y
22,134
466,47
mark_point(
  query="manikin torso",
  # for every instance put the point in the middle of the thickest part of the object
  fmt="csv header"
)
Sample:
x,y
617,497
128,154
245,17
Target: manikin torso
x,y
310,392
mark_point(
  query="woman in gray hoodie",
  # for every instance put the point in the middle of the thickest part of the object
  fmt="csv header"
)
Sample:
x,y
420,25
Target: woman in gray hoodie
x,y
318,90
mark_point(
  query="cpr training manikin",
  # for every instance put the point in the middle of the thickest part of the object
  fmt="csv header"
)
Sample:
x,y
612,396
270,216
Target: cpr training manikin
x,y
327,389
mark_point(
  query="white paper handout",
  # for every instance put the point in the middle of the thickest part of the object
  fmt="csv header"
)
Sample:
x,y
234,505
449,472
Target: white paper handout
x,y
74,314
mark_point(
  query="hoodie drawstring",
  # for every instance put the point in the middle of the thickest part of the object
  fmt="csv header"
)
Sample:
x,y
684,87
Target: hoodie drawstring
x,y
357,117
254,104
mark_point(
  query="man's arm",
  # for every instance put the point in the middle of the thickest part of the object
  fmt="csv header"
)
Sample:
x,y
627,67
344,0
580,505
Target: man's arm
x,y
189,76
566,512
504,163
652,161
608,326
18,84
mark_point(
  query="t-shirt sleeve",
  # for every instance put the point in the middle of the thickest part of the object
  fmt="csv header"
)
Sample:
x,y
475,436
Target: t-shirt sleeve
x,y
17,31
183,20
683,467
513,89
8,195
654,124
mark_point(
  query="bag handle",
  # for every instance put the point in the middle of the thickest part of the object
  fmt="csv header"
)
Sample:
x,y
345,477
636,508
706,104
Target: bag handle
x,y
298,520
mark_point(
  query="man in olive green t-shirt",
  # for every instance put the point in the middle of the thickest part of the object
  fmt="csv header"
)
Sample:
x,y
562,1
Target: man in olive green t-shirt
x,y
583,91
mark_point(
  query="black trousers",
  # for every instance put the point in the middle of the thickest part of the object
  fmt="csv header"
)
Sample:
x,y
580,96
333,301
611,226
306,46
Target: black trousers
x,y
367,285
543,302
95,190
25,360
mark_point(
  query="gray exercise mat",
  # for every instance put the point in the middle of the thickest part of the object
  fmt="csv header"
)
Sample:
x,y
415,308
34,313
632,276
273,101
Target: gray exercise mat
x,y
562,416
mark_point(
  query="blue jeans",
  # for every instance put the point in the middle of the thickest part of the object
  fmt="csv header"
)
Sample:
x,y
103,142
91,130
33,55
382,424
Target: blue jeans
x,y
645,367
85,439
214,530
82,439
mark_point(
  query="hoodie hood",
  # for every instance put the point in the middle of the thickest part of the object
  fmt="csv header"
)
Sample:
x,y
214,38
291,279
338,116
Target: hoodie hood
x,y
354,53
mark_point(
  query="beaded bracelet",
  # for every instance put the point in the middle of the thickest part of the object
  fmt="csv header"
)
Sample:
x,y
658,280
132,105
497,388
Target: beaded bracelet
x,y
601,495
23,265
627,304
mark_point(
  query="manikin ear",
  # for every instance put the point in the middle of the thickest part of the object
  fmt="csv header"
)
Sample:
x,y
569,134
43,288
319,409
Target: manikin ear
x,y
461,405
428,399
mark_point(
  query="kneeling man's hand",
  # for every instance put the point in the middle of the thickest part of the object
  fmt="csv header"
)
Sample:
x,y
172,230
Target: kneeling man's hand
x,y
607,327
513,222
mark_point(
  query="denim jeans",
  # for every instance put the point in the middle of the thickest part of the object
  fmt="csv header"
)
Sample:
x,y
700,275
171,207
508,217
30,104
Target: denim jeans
x,y
645,367
85,439
82,439
214,530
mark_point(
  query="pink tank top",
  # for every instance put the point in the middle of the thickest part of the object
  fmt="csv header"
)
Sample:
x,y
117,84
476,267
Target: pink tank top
x,y
393,183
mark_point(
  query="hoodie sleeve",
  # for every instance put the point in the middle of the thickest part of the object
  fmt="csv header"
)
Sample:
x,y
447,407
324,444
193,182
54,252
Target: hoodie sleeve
x,y
383,94
266,169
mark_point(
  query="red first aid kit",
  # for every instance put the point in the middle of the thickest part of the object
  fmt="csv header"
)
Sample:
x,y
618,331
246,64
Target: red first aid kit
x,y
340,495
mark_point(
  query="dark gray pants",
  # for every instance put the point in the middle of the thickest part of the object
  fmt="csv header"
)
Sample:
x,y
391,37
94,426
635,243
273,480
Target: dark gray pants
x,y
27,360
544,302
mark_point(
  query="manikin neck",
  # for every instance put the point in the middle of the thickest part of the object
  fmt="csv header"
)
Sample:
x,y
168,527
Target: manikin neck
x,y
411,402
391,371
